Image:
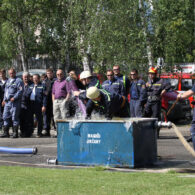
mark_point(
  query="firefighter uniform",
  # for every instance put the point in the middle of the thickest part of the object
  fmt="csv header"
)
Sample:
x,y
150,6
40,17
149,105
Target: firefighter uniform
x,y
125,81
110,104
192,129
13,89
115,86
94,82
138,97
2,90
38,100
26,121
48,115
154,89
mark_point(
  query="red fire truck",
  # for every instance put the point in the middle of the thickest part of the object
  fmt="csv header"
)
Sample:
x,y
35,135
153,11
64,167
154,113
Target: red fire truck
x,y
181,81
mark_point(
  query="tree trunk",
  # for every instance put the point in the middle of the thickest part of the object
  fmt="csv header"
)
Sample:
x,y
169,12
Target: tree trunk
x,y
145,27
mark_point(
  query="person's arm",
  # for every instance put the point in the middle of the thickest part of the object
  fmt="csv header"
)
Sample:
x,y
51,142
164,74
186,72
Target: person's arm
x,y
19,92
185,95
53,97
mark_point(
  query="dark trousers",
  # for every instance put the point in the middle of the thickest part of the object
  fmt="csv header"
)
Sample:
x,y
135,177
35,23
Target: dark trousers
x,y
48,118
26,122
37,111
192,129
153,109
124,112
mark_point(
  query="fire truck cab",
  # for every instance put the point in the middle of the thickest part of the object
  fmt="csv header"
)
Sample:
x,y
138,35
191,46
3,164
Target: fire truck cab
x,y
181,81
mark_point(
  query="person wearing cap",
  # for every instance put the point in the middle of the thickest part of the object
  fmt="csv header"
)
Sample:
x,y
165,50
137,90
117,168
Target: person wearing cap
x,y
88,80
124,79
156,87
113,85
186,95
138,94
108,104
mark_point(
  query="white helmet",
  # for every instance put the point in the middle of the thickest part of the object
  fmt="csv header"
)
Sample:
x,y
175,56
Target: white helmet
x,y
85,74
93,92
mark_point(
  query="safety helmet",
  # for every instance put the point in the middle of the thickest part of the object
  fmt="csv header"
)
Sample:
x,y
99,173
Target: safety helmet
x,y
152,70
85,74
93,93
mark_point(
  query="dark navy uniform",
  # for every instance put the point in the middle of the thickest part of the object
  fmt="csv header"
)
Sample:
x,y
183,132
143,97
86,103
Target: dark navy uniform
x,y
154,89
2,86
13,89
38,100
94,82
192,129
138,97
126,83
115,86
111,104
48,115
26,121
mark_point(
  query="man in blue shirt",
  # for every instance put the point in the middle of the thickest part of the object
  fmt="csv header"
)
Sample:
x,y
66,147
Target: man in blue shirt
x,y
113,85
38,102
138,94
12,103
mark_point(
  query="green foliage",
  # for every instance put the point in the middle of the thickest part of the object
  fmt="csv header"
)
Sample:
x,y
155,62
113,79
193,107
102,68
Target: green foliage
x,y
105,32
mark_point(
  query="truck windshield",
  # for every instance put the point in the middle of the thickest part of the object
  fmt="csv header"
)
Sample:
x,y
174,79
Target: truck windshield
x,y
187,84
173,82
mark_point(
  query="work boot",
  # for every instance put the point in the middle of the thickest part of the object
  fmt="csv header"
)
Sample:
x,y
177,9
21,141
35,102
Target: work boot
x,y
5,132
15,131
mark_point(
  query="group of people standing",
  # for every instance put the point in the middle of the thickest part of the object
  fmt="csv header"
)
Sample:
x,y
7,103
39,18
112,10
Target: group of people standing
x,y
145,98
25,101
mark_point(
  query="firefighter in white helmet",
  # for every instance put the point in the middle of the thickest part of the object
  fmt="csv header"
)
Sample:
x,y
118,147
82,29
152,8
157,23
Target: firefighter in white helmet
x,y
108,104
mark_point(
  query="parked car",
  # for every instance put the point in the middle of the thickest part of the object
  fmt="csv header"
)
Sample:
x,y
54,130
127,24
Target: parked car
x,y
32,72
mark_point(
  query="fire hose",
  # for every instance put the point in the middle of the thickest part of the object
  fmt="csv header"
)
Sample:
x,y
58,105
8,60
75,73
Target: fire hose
x,y
179,135
177,132
18,150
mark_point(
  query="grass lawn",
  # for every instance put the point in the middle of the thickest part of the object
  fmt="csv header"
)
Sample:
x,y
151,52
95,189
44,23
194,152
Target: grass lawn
x,y
24,180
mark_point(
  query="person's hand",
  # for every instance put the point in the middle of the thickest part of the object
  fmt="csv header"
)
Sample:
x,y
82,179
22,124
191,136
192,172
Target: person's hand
x,y
163,91
43,109
76,93
12,99
179,96
3,103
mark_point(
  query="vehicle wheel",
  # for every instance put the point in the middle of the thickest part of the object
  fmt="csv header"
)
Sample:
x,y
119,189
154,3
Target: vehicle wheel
x,y
163,115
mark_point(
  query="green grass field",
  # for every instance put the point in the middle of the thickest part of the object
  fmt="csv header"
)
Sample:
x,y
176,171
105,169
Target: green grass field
x,y
23,180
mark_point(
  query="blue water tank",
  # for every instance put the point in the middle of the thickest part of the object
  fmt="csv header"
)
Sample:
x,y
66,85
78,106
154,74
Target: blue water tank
x,y
116,143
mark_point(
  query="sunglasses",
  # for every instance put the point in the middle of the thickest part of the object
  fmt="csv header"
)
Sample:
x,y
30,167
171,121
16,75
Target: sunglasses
x,y
133,74
109,75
